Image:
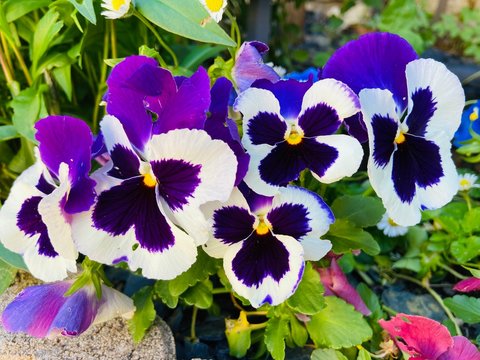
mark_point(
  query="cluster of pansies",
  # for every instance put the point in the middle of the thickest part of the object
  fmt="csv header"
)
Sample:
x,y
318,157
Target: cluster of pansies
x,y
173,173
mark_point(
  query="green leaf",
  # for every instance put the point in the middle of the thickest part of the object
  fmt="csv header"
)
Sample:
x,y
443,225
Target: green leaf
x,y
23,158
327,354
275,334
465,249
144,313
199,54
199,295
184,18
298,331
63,76
465,307
46,30
360,210
363,355
345,236
12,258
8,132
308,298
371,300
7,275
15,9
85,7
474,272
338,325
471,222
27,109
162,290
203,267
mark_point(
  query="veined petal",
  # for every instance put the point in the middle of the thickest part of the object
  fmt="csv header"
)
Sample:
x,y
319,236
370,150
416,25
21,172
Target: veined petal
x,y
265,269
348,160
433,86
56,221
266,128
462,349
333,93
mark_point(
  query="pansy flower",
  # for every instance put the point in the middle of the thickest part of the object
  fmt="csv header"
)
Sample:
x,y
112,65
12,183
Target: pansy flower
x,y
264,241
390,227
145,197
470,122
215,8
44,310
35,219
426,339
410,117
114,9
289,126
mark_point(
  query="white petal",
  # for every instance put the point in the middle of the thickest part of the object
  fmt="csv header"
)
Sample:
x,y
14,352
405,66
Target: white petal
x,y
48,268
447,93
315,248
114,304
276,292
333,93
350,155
53,216
114,133
252,178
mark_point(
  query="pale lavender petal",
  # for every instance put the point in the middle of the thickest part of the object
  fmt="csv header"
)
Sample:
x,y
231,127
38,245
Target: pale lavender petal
x,y
462,349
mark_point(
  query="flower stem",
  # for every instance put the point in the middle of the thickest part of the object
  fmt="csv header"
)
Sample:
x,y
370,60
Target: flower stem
x,y
159,39
220,291
256,313
113,39
451,271
101,83
193,335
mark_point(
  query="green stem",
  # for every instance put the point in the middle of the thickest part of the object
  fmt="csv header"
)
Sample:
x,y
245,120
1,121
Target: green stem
x,y
365,277
193,335
436,296
451,271
235,30
467,199
256,313
159,39
24,68
254,327
101,83
113,39
389,310
220,291
6,51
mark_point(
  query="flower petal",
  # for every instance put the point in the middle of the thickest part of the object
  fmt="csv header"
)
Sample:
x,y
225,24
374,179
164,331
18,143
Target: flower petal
x,y
265,269
468,285
462,349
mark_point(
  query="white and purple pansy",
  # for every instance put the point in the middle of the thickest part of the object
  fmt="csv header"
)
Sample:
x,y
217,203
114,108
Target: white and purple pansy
x,y
147,211
410,164
290,126
35,219
44,310
264,241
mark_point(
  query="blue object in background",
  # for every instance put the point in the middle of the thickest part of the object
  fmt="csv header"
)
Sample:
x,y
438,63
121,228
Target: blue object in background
x,y
304,75
470,119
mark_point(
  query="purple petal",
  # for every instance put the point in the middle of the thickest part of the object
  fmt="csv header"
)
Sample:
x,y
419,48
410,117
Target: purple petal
x,y
319,120
98,146
289,94
375,60
424,106
133,204
232,224
65,139
290,219
261,256
336,283
266,128
30,222
177,181
81,197
319,157
462,349
283,164
34,309
249,65
126,163
416,162
255,201
44,186
220,96
468,285
356,127
384,132
187,109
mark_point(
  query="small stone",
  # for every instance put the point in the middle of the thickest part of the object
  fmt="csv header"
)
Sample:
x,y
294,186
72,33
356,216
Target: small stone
x,y
109,340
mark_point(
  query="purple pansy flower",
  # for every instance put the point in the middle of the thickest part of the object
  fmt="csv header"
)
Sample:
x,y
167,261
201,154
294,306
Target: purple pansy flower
x,y
138,88
145,197
470,122
410,165
380,60
288,126
265,241
249,66
35,219
43,310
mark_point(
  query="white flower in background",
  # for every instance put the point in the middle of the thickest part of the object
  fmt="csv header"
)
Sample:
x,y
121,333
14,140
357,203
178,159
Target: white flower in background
x,y
215,8
467,181
280,70
115,9
390,227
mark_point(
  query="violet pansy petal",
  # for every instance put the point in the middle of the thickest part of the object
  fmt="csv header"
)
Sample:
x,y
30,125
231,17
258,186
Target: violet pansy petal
x,y
265,269
220,96
443,96
187,109
266,128
418,335
337,284
232,224
356,127
26,313
380,60
249,65
65,139
462,349
81,196
256,202
253,178
468,285
289,93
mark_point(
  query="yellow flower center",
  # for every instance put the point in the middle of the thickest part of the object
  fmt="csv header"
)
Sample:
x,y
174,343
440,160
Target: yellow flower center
x,y
262,228
391,222
295,136
464,183
149,180
474,115
400,138
117,4
214,5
